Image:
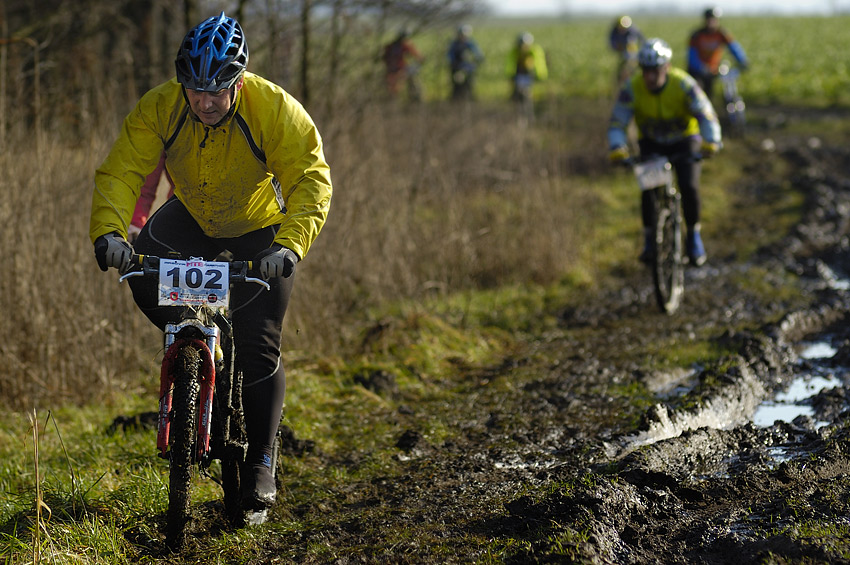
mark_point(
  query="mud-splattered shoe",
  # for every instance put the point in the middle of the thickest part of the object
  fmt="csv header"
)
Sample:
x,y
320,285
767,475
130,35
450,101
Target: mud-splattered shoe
x,y
647,256
259,489
696,251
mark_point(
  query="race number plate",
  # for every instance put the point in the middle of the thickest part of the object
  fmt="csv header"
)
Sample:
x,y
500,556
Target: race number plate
x,y
654,173
193,282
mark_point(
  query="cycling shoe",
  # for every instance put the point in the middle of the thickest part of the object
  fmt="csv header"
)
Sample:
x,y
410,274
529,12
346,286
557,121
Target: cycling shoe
x,y
648,254
696,250
259,489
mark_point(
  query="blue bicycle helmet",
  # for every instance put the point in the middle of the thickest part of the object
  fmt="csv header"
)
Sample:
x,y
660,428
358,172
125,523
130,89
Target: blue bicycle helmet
x,y
213,55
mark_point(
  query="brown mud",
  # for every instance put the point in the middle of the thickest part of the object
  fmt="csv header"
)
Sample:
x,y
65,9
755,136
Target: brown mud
x,y
577,449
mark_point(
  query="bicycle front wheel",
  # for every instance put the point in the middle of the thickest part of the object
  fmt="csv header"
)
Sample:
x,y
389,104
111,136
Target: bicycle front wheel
x,y
735,113
184,431
668,272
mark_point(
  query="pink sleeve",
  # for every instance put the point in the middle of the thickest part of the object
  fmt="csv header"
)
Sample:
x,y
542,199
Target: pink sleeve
x,y
148,194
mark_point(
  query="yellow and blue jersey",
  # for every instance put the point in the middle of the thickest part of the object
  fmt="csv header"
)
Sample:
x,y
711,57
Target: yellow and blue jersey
x,y
680,109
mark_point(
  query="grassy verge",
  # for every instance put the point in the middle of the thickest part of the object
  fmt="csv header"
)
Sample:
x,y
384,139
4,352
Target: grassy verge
x,y
103,495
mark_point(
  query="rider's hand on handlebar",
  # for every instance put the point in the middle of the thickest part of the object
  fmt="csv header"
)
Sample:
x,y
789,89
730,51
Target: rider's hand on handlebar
x,y
278,261
619,155
709,149
112,250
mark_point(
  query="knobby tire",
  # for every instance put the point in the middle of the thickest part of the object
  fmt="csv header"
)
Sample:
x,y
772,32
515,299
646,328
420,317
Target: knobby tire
x,y
734,110
735,115
183,439
231,480
230,484
229,427
526,107
668,271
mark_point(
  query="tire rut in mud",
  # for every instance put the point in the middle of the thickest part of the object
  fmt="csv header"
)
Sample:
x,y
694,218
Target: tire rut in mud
x,y
699,482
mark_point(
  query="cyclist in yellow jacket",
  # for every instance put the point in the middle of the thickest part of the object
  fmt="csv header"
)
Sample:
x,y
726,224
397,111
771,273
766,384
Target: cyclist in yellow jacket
x,y
674,118
526,64
250,177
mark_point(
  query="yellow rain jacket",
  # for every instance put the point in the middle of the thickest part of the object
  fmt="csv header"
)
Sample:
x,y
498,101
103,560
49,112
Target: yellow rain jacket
x,y
530,60
678,111
262,166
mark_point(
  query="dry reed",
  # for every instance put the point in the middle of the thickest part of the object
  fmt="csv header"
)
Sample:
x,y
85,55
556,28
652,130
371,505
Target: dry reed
x,y
435,198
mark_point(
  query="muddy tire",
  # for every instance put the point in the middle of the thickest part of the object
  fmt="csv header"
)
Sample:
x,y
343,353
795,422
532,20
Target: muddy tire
x,y
229,431
668,272
184,430
736,116
231,485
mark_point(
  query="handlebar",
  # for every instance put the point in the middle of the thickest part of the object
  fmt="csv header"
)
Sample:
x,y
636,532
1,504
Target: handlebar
x,y
148,266
681,156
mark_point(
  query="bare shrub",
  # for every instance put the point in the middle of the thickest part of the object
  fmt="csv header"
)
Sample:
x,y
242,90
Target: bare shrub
x,y
436,199
68,333
429,199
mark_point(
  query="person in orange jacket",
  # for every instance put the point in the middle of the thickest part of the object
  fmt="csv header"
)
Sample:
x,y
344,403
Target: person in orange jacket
x,y
706,48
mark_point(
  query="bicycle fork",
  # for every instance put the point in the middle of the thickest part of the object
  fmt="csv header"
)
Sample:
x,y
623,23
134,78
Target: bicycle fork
x,y
206,376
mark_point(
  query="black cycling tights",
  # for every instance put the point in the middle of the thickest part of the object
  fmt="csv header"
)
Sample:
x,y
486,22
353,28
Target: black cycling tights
x,y
687,175
257,313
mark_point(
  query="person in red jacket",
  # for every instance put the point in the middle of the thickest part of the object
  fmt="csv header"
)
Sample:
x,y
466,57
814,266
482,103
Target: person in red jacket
x,y
706,48
147,196
396,59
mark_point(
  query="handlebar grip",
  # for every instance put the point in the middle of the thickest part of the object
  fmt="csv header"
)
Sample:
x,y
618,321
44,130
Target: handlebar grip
x,y
143,261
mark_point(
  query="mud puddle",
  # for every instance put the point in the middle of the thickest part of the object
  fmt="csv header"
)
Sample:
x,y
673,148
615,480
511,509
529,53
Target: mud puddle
x,y
748,462
798,398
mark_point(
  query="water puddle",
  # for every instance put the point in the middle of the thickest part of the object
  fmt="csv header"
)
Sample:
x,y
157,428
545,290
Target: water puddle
x,y
790,403
833,279
818,350
731,408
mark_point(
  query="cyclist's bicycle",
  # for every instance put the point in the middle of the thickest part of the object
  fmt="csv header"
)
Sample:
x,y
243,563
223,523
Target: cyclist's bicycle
x,y
733,103
200,399
666,260
414,83
522,96
626,67
462,78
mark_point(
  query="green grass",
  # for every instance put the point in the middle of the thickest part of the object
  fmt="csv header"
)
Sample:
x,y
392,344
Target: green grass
x,y
812,72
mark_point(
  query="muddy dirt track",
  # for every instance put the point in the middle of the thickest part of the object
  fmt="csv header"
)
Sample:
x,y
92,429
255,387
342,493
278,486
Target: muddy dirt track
x,y
561,472
550,465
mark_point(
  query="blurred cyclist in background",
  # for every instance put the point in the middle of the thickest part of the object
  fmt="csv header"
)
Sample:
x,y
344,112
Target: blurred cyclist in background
x,y
674,118
526,64
396,58
464,57
706,47
625,39
147,196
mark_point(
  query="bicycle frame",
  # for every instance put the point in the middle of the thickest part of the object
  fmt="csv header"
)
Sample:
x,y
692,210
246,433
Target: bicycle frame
x,y
199,353
205,335
656,174
206,346
733,103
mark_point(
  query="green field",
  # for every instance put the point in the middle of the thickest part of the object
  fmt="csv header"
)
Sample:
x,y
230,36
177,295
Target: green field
x,y
792,59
